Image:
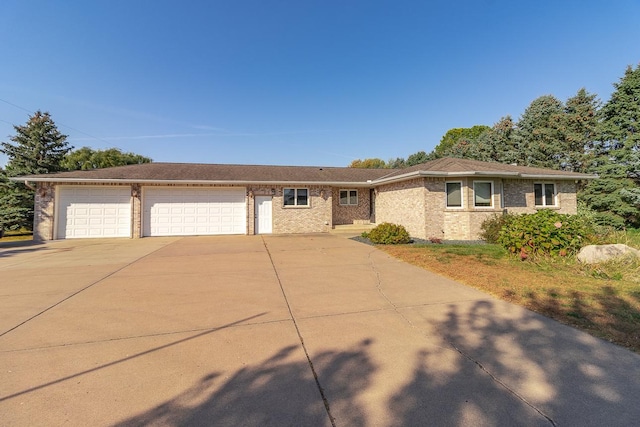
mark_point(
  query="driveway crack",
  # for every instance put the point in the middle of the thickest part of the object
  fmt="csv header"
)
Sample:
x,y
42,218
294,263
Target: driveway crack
x,y
325,401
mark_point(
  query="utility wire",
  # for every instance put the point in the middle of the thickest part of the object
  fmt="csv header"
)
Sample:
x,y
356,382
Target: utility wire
x,y
58,123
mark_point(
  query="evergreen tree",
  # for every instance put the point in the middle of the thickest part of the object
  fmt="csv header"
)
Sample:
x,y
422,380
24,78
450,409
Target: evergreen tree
x,y
539,138
36,148
418,158
397,163
456,141
616,156
497,143
578,128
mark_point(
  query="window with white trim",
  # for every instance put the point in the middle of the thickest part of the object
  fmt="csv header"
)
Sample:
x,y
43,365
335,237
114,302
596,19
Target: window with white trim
x,y
349,197
483,194
296,196
544,194
454,194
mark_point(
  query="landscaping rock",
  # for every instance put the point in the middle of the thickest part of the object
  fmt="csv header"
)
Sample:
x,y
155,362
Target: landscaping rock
x,y
594,254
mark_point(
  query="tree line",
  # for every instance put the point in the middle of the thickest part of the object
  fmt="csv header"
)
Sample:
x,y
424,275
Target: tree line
x,y
581,134
38,147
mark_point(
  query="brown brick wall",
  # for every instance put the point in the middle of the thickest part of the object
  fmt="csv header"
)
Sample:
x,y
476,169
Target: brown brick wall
x,y
316,218
403,203
418,204
348,214
434,208
519,196
464,223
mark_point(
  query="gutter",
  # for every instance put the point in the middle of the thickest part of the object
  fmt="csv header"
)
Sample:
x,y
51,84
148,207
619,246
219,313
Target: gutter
x,y
358,184
368,183
418,174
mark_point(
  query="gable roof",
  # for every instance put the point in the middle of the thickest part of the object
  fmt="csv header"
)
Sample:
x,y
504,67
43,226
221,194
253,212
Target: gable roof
x,y
196,173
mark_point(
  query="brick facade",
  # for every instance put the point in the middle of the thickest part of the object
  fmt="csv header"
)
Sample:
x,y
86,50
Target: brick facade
x,y
418,204
351,214
315,218
403,203
519,196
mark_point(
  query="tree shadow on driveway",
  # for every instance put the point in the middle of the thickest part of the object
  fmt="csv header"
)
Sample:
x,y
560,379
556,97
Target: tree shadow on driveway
x,y
277,392
8,249
565,375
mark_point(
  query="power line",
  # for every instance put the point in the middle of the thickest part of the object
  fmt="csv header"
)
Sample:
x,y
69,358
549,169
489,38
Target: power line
x,y
60,124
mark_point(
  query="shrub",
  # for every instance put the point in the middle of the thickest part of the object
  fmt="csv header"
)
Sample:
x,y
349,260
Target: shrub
x,y
545,233
490,228
389,234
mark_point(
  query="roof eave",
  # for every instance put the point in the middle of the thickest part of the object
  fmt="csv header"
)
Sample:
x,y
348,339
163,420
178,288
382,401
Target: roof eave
x,y
499,174
552,176
190,182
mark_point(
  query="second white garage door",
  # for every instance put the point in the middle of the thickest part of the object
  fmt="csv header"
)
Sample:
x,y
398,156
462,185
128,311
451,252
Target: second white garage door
x,y
189,211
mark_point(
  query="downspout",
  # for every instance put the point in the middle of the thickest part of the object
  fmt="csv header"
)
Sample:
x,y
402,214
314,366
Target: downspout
x,y
29,186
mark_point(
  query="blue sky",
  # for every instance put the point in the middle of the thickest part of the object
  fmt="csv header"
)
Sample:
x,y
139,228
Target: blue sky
x,y
299,82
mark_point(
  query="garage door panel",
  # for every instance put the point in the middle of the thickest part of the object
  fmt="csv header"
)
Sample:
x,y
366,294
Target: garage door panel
x,y
194,211
94,211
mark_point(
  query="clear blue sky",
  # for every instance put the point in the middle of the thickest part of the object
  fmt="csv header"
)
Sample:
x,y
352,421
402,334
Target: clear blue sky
x,y
299,82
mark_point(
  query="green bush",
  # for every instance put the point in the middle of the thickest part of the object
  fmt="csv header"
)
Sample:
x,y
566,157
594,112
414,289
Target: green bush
x,y
545,233
490,228
389,234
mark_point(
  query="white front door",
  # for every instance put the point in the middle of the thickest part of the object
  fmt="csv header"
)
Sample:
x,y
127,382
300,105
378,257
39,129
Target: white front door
x,y
263,215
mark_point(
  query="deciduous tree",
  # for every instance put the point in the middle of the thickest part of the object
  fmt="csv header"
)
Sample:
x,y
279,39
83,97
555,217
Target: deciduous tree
x,y
373,163
86,158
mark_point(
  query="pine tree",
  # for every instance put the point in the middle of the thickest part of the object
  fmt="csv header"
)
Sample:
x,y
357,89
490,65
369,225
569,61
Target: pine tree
x,y
538,135
578,127
617,156
36,148
497,143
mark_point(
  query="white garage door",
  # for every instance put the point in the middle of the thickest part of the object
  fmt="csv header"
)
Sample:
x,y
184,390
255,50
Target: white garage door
x,y
87,212
172,211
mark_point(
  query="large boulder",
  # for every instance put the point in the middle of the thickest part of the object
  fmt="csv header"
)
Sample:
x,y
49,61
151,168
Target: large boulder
x,y
594,254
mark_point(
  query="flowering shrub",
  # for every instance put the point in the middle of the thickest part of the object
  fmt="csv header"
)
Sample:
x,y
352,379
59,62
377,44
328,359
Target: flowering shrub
x,y
545,233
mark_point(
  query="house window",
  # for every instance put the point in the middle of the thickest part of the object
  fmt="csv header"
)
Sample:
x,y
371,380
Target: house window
x,y
296,196
545,194
454,194
482,192
349,197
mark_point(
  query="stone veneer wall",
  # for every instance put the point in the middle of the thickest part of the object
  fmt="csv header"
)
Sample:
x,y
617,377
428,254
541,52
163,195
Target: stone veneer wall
x,y
136,211
44,211
315,218
348,214
403,203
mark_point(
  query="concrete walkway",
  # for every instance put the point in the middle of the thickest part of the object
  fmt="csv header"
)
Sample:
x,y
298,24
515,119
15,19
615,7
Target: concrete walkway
x,y
312,330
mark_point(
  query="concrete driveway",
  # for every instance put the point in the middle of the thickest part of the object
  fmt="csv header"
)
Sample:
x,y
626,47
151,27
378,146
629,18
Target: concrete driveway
x,y
312,330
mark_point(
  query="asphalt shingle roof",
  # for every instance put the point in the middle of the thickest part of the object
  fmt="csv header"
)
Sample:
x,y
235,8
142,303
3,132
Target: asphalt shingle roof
x,y
194,172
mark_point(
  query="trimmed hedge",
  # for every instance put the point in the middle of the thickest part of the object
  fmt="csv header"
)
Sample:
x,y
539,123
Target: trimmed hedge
x,y
388,234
